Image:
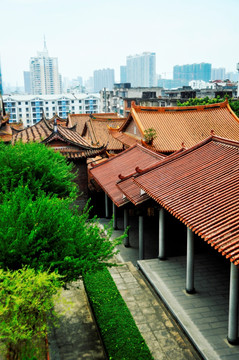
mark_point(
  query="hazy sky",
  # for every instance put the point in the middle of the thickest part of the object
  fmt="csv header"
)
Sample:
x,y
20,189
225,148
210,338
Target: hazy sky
x,y
87,35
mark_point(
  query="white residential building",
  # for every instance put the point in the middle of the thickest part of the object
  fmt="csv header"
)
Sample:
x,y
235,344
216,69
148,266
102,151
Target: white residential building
x,y
44,75
29,108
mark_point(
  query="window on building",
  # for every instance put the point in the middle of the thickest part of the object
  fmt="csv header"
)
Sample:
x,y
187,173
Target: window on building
x,y
20,110
19,103
26,102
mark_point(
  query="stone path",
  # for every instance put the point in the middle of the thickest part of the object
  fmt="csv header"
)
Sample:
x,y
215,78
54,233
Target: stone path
x,y
76,338
163,336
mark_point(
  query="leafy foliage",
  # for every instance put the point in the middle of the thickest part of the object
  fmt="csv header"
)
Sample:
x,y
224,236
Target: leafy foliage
x,y
45,232
149,135
26,301
120,334
37,166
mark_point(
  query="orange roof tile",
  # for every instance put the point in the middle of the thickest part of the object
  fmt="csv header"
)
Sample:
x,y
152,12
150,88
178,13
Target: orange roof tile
x,y
107,173
98,132
76,145
200,187
80,119
188,124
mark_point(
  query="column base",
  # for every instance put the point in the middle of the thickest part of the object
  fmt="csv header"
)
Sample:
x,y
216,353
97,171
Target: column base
x,y
162,258
233,342
191,292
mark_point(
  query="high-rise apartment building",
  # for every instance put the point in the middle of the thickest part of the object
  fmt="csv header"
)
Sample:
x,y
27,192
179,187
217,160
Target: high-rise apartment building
x,y
27,82
218,74
141,69
45,78
123,74
104,78
186,73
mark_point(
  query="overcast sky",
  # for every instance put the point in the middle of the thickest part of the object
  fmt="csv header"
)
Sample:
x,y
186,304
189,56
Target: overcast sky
x,y
87,35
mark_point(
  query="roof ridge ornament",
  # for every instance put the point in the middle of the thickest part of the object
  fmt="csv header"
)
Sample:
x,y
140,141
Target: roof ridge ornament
x,y
55,126
212,132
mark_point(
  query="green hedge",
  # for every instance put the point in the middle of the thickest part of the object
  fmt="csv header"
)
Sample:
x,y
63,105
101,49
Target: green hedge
x,y
119,332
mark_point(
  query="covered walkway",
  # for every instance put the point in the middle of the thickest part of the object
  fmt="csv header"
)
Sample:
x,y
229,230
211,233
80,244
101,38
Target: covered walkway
x,y
203,315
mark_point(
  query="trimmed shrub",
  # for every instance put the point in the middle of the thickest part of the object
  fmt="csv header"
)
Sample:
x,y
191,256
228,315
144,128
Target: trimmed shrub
x,y
120,335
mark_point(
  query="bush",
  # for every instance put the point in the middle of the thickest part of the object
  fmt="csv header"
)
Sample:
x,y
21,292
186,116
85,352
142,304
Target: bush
x,y
37,166
47,233
120,334
26,301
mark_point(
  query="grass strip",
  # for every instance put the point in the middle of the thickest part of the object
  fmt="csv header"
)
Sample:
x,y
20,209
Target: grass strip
x,y
120,335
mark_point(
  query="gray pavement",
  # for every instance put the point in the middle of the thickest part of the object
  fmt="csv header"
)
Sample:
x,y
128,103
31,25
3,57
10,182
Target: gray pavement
x,y
162,334
76,338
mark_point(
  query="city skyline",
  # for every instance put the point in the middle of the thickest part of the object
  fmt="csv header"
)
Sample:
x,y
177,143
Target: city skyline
x,y
101,34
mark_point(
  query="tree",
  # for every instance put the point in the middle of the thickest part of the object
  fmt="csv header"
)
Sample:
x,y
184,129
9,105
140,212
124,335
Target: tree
x,y
47,233
38,166
26,301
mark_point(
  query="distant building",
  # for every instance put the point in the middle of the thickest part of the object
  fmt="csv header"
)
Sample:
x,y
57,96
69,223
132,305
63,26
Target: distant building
x,y
118,99
123,74
1,87
45,78
190,72
232,76
30,108
89,84
27,82
171,84
218,74
200,84
104,78
141,69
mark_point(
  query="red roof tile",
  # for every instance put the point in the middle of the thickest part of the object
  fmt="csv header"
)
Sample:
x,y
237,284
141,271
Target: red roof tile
x,y
107,173
200,187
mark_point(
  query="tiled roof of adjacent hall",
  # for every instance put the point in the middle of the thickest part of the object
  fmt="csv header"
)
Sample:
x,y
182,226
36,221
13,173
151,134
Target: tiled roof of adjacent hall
x,y
183,124
98,131
200,187
107,173
79,120
43,131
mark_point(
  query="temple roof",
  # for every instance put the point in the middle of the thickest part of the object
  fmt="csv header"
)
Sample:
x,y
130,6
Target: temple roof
x,y
73,145
98,131
80,119
107,173
200,187
177,125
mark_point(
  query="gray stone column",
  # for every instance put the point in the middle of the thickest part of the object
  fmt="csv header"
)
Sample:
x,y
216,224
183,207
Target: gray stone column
x,y
190,262
126,224
106,206
161,234
141,237
114,216
233,306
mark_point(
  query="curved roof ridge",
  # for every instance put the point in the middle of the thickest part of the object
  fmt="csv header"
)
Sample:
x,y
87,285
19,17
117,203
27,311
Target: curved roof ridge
x,y
139,108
